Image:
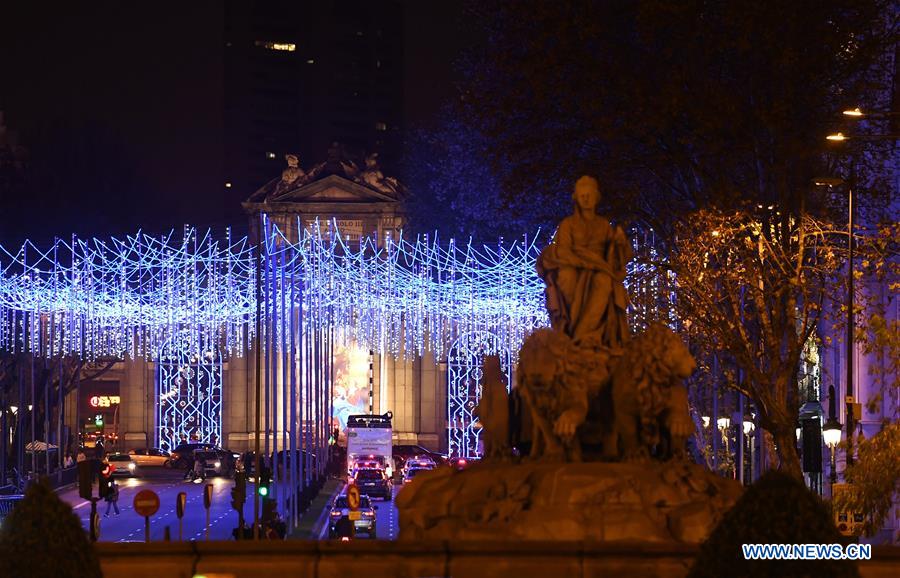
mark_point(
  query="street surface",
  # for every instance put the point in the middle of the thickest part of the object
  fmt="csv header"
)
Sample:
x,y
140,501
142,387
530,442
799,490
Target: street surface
x,y
128,526
386,518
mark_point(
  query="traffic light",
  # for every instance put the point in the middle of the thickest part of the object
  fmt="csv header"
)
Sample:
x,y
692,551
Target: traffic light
x,y
98,420
86,472
239,492
264,483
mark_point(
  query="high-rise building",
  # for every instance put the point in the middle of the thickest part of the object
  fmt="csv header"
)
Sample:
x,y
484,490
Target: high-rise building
x,y
302,75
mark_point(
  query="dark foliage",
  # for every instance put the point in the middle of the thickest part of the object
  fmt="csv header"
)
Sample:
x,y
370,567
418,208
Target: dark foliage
x,y
42,537
676,106
777,509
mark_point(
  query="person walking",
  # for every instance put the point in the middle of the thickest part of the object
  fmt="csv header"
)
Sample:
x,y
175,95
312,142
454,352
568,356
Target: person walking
x,y
112,498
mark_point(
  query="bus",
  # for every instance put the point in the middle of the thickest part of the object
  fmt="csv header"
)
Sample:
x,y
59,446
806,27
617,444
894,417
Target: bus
x,y
370,436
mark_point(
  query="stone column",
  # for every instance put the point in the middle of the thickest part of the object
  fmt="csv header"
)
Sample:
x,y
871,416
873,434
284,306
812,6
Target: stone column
x,y
136,416
235,403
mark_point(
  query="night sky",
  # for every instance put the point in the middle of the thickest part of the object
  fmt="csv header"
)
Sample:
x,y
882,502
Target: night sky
x,y
120,108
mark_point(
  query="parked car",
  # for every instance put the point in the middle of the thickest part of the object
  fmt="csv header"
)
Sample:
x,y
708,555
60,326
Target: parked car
x,y
149,457
374,483
365,515
123,465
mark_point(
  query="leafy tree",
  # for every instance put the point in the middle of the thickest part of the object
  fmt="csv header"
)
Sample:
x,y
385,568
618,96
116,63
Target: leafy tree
x,y
43,537
873,479
457,190
674,105
777,509
756,291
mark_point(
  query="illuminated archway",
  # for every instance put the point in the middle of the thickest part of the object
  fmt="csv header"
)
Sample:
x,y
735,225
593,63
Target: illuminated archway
x,y
465,377
188,395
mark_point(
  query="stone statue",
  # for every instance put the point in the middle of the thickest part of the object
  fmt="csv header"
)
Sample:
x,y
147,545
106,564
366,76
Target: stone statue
x,y
584,270
372,176
493,410
601,405
291,177
558,381
649,400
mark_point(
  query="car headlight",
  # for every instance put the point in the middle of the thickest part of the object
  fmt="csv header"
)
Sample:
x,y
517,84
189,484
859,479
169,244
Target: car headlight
x,y
218,464
131,466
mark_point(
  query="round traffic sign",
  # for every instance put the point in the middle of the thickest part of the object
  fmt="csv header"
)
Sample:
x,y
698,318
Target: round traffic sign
x,y
353,497
146,503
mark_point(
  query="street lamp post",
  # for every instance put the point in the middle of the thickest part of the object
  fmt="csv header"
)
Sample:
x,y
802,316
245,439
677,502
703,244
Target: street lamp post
x,y
748,427
724,423
832,433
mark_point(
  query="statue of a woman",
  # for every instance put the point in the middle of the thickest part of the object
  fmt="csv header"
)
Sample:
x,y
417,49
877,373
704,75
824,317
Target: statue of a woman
x,y
584,270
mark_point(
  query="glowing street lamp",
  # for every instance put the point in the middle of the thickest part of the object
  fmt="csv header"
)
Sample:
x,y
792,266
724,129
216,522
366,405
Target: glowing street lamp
x,y
748,424
831,433
857,113
839,136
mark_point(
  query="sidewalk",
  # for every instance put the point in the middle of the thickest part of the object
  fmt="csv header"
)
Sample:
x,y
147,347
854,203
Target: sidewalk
x,y
312,524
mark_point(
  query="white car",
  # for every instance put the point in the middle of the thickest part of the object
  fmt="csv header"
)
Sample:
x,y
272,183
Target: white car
x,y
149,457
122,465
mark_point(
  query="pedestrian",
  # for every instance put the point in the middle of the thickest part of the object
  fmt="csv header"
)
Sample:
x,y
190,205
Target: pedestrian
x,y
69,461
80,457
199,468
112,498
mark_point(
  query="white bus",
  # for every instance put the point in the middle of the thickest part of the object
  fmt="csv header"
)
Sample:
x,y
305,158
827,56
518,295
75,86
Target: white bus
x,y
369,436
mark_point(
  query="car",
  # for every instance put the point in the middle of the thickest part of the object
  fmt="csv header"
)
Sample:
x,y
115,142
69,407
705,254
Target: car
x,y
183,456
372,461
123,465
413,472
419,462
215,462
374,483
403,452
366,513
149,457
459,463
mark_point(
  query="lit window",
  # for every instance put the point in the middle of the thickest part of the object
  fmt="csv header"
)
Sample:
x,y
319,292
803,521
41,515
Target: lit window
x,y
282,46
227,185
380,126
270,155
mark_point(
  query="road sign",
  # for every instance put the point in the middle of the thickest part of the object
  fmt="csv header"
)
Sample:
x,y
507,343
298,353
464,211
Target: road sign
x,y
353,497
180,501
146,503
207,496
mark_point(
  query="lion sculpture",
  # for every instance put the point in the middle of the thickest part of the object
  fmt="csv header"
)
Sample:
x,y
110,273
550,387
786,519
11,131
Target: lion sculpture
x,y
557,380
649,400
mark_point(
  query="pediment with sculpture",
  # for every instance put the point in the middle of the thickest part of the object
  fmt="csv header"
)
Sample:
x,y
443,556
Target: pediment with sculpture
x,y
340,178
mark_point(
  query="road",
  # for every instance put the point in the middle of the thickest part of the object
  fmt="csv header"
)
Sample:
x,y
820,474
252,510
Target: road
x,y
386,518
128,526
